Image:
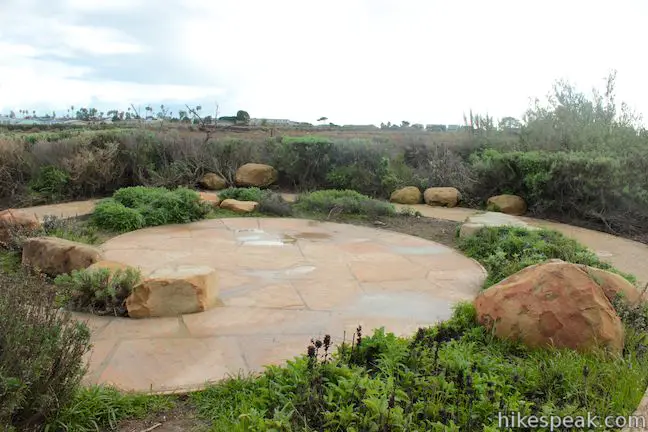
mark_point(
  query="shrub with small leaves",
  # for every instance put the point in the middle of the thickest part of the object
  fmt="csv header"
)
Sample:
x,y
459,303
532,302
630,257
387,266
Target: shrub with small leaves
x,y
98,291
242,194
41,353
343,202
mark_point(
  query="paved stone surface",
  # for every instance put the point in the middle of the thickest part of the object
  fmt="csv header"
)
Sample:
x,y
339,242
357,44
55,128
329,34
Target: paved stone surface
x,y
282,281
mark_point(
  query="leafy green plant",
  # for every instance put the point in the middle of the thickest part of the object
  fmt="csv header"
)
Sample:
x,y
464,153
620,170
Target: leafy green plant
x,y
137,207
242,194
504,251
41,353
343,201
99,291
50,181
273,204
97,407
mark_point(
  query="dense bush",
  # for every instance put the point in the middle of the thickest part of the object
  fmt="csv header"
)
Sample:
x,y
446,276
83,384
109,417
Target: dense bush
x,y
242,194
504,251
41,353
137,207
343,202
99,291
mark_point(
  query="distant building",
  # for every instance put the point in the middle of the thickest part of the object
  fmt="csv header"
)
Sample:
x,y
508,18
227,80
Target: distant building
x,y
272,122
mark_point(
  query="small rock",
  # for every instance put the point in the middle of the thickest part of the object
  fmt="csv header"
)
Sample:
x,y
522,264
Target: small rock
x,y
258,175
212,181
239,206
407,195
379,223
210,198
509,204
442,196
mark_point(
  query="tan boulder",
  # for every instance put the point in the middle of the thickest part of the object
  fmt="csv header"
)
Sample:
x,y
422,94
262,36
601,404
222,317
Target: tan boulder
x,y
509,204
12,219
210,198
613,284
553,303
174,291
213,181
442,196
239,206
254,174
55,256
407,195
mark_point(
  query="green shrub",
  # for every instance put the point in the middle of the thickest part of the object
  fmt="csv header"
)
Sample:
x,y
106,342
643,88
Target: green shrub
x,y
98,291
303,162
50,181
343,201
504,251
102,408
137,207
41,353
110,215
242,194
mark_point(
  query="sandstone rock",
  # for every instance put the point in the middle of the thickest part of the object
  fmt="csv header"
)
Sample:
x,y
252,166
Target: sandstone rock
x,y
407,195
491,219
16,220
509,204
210,198
553,303
173,291
110,265
239,206
253,174
55,256
442,196
213,181
613,284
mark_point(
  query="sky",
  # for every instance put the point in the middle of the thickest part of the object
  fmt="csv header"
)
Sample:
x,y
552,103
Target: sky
x,y
352,61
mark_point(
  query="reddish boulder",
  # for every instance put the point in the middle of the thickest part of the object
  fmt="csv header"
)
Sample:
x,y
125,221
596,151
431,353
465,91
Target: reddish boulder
x,y
554,303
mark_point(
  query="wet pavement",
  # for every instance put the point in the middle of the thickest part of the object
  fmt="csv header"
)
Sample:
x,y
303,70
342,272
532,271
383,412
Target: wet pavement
x,y
282,282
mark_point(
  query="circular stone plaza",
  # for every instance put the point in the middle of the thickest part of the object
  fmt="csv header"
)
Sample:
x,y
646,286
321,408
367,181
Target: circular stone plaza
x,y
281,282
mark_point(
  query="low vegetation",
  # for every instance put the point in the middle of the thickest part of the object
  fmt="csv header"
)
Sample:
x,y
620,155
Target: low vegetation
x,y
504,251
343,202
99,291
138,207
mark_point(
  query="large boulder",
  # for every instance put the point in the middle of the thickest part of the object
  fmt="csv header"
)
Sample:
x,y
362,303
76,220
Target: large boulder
x,y
509,204
442,196
553,303
239,206
212,181
15,220
254,174
174,291
55,256
407,195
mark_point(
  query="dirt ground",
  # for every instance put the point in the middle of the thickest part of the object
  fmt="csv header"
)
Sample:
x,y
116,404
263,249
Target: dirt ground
x,y
181,418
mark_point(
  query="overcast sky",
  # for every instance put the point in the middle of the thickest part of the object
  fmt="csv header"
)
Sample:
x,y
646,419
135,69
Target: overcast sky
x,y
353,61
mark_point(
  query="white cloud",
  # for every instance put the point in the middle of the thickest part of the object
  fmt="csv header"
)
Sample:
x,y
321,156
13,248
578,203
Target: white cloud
x,y
361,61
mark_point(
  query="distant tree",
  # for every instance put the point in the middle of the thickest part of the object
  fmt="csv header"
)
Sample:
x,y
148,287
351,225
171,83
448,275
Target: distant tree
x,y
243,117
405,124
322,119
264,122
83,114
509,123
12,114
417,126
113,114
